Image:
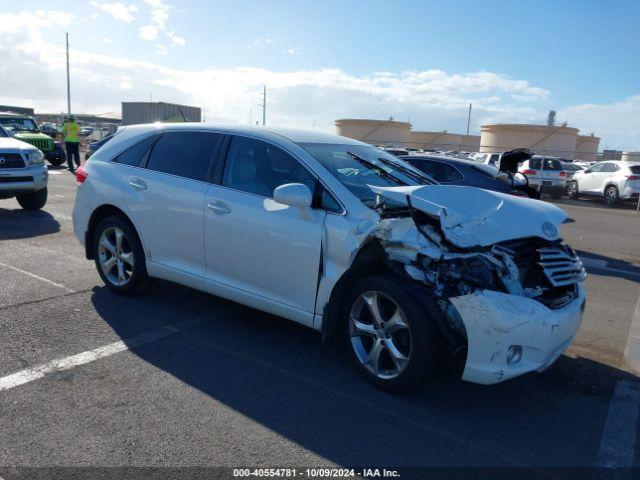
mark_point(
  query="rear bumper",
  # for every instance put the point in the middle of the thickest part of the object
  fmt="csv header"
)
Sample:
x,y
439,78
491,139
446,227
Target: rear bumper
x,y
498,324
23,180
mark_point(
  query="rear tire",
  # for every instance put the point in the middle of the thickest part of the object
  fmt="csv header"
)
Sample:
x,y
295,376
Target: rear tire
x,y
400,346
34,200
572,190
119,257
611,196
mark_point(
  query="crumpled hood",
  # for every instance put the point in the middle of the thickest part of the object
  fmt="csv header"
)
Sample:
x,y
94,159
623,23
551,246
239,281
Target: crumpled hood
x,y
8,143
473,217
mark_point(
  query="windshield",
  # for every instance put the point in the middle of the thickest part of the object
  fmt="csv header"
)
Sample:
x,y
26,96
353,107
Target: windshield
x,y
18,124
358,166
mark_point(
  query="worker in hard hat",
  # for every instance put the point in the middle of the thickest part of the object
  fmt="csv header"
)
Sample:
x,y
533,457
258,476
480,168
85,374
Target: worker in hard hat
x,y
70,131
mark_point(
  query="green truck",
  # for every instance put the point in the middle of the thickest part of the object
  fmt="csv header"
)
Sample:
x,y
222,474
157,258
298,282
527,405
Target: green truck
x,y
24,128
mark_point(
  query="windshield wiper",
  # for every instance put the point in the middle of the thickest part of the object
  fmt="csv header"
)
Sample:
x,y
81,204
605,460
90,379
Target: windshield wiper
x,y
417,176
369,164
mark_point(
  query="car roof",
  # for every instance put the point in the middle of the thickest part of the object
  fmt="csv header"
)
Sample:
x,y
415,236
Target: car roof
x,y
442,158
294,135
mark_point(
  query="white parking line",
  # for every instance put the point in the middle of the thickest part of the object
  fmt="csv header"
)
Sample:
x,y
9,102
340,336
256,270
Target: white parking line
x,y
38,277
58,365
617,447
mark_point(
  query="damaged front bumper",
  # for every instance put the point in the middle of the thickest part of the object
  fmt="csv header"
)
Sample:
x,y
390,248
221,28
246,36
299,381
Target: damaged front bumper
x,y
509,335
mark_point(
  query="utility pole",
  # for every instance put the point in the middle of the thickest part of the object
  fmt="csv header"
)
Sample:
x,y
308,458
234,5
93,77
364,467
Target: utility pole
x,y
68,81
469,119
264,105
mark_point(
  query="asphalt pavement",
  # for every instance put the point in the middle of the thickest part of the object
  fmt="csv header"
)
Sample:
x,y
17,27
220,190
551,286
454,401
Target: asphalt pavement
x,y
180,378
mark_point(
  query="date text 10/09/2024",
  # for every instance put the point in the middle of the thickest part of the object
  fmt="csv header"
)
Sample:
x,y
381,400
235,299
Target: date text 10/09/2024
x,y
316,472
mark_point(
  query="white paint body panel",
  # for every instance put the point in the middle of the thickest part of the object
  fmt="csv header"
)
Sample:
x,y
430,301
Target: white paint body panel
x,y
494,321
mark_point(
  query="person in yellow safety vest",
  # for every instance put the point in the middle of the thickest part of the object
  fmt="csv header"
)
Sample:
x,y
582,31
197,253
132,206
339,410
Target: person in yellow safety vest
x,y
70,131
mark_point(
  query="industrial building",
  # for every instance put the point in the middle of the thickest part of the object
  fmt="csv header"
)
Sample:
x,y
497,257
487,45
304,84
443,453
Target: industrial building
x,y
150,112
394,133
554,140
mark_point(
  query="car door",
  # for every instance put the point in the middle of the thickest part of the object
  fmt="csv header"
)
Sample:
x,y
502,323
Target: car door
x,y
592,178
259,252
166,202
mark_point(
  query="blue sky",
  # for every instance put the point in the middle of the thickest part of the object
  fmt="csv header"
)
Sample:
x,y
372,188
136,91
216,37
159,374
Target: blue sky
x,y
416,60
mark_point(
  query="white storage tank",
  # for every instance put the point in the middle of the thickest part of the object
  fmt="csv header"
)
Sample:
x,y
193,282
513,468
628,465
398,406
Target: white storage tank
x,y
630,157
435,140
542,139
587,147
383,132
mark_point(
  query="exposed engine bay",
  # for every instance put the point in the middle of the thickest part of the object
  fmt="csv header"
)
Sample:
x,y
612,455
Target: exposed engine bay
x,y
486,292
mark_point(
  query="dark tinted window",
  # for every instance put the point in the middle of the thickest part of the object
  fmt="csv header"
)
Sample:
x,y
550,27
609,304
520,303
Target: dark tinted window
x,y
610,167
185,154
327,202
134,155
552,164
535,163
635,169
258,167
439,171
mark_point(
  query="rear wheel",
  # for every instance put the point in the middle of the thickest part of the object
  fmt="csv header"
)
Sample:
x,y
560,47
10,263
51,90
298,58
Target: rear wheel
x,y
34,200
572,189
611,196
119,257
391,337
55,161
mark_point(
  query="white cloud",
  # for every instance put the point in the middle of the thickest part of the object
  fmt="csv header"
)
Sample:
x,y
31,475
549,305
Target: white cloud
x,y
107,41
159,12
292,51
176,40
259,43
118,10
148,32
432,99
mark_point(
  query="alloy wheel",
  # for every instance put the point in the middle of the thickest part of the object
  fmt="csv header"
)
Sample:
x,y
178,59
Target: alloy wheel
x,y
611,196
115,255
380,335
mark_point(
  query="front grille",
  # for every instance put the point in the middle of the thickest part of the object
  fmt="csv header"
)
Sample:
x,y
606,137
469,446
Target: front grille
x,y
11,160
42,143
15,179
561,266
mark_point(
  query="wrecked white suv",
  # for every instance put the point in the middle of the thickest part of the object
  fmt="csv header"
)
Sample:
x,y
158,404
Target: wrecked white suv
x,y
341,237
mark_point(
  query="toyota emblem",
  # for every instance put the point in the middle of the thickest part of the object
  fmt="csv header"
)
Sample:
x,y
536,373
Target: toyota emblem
x,y
549,229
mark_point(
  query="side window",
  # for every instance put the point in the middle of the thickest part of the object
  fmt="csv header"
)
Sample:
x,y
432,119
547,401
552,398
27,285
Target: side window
x,y
609,168
326,201
596,168
135,155
258,167
450,174
185,154
535,164
427,167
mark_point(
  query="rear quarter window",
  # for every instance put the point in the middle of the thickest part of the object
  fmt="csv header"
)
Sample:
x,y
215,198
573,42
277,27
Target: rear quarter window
x,y
635,169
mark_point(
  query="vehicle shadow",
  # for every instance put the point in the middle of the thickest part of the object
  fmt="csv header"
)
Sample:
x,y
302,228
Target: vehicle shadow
x,y
283,377
629,205
17,223
610,267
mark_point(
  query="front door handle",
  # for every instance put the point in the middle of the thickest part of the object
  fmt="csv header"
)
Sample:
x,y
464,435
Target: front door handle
x,y
138,184
219,208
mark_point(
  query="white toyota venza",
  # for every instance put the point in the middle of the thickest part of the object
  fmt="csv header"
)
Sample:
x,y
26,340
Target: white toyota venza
x,y
341,237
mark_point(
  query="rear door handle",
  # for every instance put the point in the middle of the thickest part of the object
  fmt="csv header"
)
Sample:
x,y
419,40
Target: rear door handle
x,y
138,184
219,207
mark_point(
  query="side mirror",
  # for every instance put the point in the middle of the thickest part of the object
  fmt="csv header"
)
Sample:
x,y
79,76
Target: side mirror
x,y
293,195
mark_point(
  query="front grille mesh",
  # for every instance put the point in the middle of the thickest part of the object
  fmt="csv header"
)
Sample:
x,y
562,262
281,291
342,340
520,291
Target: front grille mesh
x,y
561,267
11,160
43,144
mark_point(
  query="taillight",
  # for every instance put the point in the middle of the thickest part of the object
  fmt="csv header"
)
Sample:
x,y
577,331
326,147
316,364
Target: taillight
x,y
563,174
529,172
633,177
81,174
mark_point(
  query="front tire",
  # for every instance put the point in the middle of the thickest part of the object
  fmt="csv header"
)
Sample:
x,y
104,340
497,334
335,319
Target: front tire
x,y
572,190
34,200
119,257
390,336
611,196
